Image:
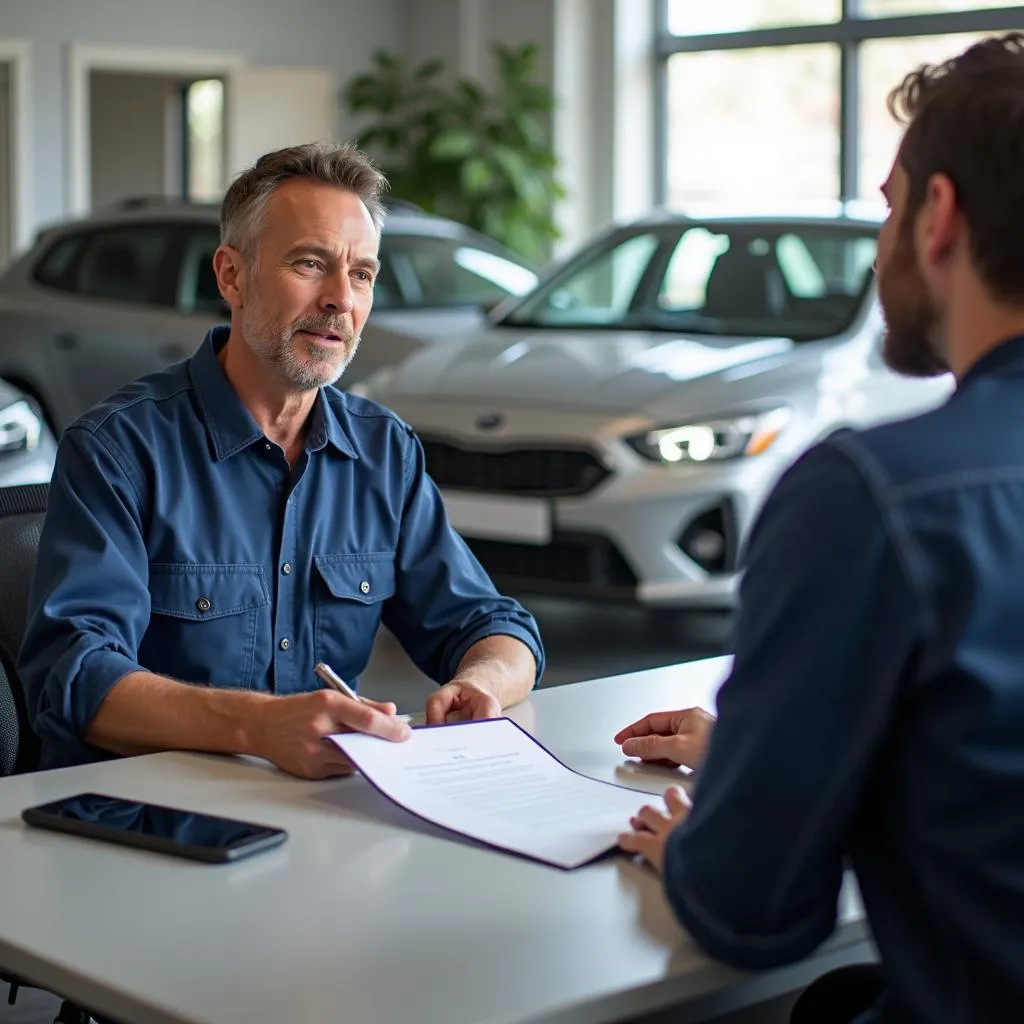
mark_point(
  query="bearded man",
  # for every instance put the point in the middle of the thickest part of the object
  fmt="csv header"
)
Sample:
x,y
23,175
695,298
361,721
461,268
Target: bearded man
x,y
874,715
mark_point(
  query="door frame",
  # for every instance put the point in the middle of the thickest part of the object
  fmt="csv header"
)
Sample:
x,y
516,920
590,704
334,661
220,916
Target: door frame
x,y
17,54
84,58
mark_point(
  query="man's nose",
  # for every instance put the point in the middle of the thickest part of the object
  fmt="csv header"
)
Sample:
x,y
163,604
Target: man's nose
x,y
336,296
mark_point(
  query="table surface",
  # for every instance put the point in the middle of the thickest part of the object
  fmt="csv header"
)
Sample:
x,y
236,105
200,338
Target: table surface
x,y
365,915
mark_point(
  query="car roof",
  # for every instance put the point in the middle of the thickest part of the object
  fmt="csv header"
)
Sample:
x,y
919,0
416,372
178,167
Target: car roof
x,y
851,213
403,218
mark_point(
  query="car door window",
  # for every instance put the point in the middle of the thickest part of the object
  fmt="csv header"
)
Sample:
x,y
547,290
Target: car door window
x,y
450,272
125,264
197,283
55,267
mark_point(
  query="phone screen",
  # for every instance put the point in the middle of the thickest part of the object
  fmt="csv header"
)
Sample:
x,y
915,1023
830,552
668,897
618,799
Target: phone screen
x,y
170,829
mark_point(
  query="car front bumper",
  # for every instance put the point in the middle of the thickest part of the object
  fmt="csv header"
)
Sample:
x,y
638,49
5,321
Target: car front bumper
x,y
662,536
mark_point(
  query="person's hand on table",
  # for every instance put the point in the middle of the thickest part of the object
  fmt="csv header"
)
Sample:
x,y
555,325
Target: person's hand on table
x,y
289,731
652,826
669,737
462,700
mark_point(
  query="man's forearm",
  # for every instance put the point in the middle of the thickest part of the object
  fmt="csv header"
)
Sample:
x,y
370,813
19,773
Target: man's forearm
x,y
502,665
145,713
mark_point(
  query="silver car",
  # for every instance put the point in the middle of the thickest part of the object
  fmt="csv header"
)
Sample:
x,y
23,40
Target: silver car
x,y
27,445
614,433
100,301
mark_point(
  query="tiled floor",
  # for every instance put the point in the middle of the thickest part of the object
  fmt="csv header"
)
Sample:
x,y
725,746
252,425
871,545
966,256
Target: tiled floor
x,y
582,642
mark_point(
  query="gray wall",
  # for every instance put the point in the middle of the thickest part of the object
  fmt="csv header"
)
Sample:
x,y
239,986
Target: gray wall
x,y
338,34
128,149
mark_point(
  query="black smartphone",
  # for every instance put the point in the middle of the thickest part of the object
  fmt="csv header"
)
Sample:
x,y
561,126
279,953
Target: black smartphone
x,y
155,827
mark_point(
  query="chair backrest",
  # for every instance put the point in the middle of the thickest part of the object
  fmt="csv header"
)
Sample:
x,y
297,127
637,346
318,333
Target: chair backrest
x,y
744,285
21,522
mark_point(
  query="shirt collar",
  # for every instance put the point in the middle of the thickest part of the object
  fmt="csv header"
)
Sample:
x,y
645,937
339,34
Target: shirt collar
x,y
230,425
1006,356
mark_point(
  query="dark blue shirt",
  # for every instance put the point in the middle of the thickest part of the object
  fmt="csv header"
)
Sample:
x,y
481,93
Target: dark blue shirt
x,y
178,540
875,713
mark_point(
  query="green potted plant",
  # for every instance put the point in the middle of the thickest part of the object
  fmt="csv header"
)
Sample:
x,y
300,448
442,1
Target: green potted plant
x,y
480,156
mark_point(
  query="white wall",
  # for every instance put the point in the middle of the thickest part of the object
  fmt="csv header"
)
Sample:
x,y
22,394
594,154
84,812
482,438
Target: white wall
x,y
338,34
128,146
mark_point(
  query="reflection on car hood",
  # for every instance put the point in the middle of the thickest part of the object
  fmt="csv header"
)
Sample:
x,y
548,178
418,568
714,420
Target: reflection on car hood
x,y
593,369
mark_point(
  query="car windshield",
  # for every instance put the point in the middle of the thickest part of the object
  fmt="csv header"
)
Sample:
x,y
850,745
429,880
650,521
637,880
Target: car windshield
x,y
422,271
794,280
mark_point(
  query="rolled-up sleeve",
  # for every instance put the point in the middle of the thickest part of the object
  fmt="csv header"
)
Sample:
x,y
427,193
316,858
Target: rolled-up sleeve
x,y
827,628
444,601
89,603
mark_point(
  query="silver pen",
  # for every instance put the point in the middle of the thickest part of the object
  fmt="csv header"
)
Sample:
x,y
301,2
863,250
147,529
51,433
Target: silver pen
x,y
331,679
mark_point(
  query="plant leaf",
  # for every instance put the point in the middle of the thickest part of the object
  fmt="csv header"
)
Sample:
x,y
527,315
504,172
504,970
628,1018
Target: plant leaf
x,y
452,145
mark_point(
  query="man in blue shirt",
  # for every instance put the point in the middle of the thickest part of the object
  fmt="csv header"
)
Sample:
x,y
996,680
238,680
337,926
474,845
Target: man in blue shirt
x,y
217,528
875,711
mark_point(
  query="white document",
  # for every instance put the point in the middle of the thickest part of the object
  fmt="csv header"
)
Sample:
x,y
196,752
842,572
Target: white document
x,y
491,781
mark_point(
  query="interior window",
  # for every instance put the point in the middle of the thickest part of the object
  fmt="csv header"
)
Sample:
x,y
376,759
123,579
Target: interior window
x,y
685,283
197,283
54,267
449,272
124,264
601,291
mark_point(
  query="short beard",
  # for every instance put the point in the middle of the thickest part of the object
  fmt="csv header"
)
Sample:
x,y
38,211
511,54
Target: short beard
x,y
911,318
274,344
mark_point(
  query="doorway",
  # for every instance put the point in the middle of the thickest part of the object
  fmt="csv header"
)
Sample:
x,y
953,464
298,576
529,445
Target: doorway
x,y
155,136
14,148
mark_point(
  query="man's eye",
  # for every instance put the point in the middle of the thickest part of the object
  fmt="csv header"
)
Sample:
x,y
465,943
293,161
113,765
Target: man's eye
x,y
309,264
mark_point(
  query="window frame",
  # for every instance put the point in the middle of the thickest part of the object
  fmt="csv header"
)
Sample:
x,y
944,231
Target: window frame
x,y
848,33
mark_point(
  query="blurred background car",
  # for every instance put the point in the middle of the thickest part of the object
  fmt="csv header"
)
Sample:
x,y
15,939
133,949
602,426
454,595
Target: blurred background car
x,y
614,432
100,301
27,445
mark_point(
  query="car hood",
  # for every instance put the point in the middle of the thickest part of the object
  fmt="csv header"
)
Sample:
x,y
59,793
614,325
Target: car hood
x,y
606,370
8,394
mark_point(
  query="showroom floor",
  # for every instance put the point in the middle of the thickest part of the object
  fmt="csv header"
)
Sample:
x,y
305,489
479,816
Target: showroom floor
x,y
582,642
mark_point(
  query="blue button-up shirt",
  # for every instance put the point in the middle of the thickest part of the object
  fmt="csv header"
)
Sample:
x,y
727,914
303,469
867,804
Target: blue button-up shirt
x,y
875,713
178,540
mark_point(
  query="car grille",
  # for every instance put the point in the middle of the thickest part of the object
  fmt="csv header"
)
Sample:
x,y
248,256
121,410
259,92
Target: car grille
x,y
572,564
538,472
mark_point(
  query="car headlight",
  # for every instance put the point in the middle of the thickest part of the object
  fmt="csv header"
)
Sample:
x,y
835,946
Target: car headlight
x,y
20,428
712,440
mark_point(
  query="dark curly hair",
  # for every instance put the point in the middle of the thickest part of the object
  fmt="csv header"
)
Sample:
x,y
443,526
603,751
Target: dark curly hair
x,y
965,119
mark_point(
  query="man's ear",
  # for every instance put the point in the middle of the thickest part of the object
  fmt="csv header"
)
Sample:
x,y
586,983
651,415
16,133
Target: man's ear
x,y
941,225
229,267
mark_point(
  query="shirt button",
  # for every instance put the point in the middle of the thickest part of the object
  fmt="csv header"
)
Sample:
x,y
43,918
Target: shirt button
x,y
365,586
284,644
268,447
286,568
204,604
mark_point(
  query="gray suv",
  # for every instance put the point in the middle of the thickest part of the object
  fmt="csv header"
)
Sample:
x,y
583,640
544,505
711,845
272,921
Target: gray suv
x,y
98,302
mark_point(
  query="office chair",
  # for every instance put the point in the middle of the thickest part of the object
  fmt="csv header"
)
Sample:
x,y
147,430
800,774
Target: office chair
x,y
21,523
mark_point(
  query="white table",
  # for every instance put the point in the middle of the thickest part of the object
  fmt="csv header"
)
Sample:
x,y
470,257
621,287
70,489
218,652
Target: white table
x,y
364,916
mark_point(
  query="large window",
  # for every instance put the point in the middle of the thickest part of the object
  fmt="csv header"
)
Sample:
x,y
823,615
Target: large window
x,y
781,103
767,103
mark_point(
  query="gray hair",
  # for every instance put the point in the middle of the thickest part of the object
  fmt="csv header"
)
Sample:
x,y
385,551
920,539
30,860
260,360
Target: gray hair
x,y
342,166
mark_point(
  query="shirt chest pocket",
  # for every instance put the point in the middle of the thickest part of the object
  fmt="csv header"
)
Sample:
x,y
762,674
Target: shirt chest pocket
x,y
205,621
350,593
